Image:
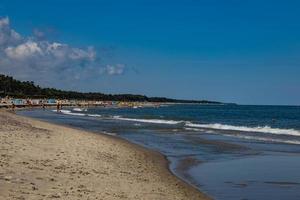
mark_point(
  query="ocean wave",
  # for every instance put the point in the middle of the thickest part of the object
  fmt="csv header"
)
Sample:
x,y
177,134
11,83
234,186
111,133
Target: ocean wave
x,y
68,112
199,127
193,129
109,133
259,129
155,121
63,111
80,109
264,139
75,114
94,115
247,137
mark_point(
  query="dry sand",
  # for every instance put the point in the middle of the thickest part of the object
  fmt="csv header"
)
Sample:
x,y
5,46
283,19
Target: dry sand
x,y
39,160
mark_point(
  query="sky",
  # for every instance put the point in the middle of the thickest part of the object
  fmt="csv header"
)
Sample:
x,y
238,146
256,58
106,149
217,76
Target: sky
x,y
241,51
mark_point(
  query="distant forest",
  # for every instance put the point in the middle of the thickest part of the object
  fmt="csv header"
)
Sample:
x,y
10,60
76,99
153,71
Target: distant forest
x,y
27,89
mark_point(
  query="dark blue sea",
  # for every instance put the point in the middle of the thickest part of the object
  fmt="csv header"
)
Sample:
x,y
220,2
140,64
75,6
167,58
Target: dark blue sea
x,y
230,152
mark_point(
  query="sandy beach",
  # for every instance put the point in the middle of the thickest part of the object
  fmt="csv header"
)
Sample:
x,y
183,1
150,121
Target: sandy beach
x,y
39,160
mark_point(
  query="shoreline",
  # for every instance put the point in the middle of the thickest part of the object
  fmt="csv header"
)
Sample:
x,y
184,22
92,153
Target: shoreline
x,y
153,163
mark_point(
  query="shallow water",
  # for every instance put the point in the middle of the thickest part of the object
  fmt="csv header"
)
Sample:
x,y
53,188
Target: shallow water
x,y
258,177
228,151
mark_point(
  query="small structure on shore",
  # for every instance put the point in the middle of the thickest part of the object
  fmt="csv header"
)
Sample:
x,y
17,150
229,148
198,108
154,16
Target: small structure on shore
x,y
17,102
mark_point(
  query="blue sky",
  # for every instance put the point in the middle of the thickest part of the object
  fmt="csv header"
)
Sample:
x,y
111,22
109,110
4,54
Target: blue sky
x,y
233,51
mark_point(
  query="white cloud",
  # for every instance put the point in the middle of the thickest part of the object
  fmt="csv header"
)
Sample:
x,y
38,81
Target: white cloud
x,y
38,33
4,21
7,35
42,60
115,69
24,50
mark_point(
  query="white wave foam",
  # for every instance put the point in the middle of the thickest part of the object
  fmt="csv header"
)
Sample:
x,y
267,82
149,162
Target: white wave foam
x,y
109,133
65,111
94,115
247,137
155,121
68,112
200,127
80,109
75,114
260,129
264,139
199,130
193,129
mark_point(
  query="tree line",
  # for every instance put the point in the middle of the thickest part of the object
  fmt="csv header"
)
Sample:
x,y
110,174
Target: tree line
x,y
27,89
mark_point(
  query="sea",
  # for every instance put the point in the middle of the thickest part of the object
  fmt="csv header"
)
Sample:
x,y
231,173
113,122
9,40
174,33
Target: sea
x,y
229,152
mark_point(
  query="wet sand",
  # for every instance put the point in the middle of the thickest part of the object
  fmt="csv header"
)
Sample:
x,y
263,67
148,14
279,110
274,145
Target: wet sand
x,y
39,160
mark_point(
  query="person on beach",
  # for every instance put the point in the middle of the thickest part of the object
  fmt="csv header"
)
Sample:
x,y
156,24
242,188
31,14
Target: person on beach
x,y
13,106
29,102
57,106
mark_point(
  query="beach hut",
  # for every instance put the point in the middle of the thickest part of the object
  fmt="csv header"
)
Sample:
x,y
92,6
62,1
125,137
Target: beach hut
x,y
35,101
72,102
17,101
6,100
51,101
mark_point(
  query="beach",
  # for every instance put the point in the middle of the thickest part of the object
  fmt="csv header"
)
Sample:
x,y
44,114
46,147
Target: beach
x,y
39,160
226,151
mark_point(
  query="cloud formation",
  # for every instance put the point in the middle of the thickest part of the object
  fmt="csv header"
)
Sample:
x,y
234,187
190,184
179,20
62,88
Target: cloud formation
x,y
115,69
43,61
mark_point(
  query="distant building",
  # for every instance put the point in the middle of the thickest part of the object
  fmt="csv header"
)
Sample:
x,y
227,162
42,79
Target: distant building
x,y
35,101
51,101
18,101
